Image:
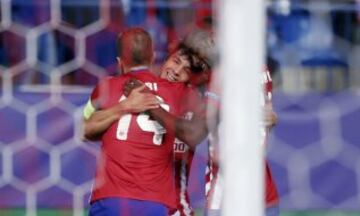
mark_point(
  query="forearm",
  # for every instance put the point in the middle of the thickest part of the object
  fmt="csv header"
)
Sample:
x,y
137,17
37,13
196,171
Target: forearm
x,y
101,120
192,132
167,120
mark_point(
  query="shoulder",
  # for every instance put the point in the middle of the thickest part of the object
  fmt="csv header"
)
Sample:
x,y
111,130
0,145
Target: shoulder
x,y
100,86
106,80
112,81
105,86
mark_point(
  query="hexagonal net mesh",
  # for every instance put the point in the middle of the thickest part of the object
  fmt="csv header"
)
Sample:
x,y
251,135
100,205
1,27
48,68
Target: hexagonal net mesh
x,y
52,52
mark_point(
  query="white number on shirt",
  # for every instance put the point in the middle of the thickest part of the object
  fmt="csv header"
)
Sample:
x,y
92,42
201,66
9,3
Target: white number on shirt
x,y
144,122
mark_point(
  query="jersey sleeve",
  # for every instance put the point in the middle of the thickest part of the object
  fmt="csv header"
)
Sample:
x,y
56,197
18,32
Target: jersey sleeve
x,y
97,98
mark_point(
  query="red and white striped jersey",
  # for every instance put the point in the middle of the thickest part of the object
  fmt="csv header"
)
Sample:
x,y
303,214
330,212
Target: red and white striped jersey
x,y
271,194
183,156
213,178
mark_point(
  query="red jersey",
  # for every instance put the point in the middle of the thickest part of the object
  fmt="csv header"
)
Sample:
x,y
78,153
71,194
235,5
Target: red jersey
x,y
212,178
271,194
137,152
183,156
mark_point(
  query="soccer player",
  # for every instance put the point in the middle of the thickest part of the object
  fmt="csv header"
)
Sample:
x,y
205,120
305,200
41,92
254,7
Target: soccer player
x,y
270,119
213,178
173,71
183,154
192,130
134,175
185,130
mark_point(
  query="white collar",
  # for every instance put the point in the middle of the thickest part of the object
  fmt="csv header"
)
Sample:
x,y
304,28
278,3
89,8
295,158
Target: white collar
x,y
137,68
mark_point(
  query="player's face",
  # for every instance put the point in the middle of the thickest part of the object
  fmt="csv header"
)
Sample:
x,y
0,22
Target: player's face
x,y
176,68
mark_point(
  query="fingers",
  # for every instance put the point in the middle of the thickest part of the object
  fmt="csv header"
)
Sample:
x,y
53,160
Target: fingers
x,y
151,99
140,101
270,118
138,83
127,90
139,88
131,84
134,83
151,106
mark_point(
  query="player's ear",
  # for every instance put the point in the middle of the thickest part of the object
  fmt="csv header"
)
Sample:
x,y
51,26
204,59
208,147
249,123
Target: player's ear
x,y
120,65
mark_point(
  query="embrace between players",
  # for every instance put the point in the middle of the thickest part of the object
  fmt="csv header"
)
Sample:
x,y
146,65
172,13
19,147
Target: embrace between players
x,y
149,126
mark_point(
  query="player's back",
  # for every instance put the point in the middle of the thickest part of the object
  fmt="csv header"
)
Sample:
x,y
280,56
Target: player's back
x,y
136,149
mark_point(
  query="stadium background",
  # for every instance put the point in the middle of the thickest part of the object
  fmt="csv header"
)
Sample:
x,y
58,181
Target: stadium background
x,y
53,51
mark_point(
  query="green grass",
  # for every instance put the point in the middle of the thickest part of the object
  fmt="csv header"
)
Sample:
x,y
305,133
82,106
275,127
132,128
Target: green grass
x,y
40,212
12,212
198,212
320,213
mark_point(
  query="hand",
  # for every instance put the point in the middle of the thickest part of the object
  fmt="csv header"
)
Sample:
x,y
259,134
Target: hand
x,y
139,101
131,84
270,117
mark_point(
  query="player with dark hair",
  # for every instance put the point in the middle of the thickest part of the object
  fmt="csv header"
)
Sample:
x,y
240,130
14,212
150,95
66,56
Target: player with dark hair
x,y
213,185
176,69
183,154
193,124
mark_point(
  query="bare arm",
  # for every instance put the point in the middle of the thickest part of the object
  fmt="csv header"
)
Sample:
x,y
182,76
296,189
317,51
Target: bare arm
x,y
101,120
192,132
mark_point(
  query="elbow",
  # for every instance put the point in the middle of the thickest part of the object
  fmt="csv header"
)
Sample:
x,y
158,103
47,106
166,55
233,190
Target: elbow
x,y
197,139
88,137
192,133
194,137
89,134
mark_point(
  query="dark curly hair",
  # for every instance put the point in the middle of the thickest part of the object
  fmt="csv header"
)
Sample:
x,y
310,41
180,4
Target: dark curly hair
x,y
197,64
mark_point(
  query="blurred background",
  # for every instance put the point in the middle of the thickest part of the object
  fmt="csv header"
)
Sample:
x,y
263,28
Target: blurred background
x,y
52,52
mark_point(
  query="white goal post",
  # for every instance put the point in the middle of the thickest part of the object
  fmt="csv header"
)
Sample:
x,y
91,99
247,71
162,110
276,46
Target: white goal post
x,y
241,35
